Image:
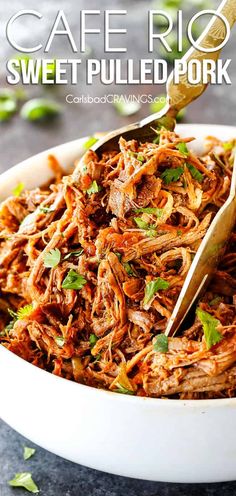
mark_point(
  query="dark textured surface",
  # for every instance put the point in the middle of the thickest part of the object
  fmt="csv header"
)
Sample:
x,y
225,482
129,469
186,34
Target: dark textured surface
x,y
57,477
19,140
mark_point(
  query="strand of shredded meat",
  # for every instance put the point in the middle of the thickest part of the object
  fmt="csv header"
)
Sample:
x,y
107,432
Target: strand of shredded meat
x,y
91,267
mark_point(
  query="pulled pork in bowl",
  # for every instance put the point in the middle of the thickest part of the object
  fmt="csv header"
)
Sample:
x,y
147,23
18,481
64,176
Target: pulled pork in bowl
x,y
92,264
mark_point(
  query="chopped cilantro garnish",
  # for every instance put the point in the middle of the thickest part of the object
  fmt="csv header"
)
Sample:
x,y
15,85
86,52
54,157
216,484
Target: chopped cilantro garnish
x,y
92,340
52,258
28,452
18,189
149,210
73,280
46,210
119,256
123,390
228,145
195,172
24,311
152,287
94,188
149,228
179,232
24,479
75,253
209,324
140,158
130,271
90,142
215,301
60,341
172,175
183,148
161,343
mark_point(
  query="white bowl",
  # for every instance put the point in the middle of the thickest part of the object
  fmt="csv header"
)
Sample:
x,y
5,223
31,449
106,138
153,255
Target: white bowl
x,y
146,438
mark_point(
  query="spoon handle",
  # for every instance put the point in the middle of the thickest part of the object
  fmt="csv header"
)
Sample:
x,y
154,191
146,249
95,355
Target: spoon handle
x,y
183,93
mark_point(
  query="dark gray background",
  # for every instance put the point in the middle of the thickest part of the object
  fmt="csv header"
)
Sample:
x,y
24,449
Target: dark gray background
x,y
19,140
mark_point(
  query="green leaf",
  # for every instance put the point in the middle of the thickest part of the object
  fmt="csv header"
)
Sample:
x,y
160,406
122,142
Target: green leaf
x,y
90,142
52,258
123,390
8,104
24,311
92,340
94,188
18,189
140,158
60,341
149,210
209,324
75,253
228,145
152,288
46,210
73,280
161,343
215,301
119,256
171,175
24,479
195,173
149,228
28,452
126,108
39,109
183,148
130,271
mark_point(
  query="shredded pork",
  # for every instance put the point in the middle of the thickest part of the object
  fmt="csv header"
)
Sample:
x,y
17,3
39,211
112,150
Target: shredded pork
x,y
91,267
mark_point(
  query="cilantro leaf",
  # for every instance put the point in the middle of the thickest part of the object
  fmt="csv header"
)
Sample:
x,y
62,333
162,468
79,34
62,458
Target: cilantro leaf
x,y
94,188
92,340
123,390
28,452
195,173
24,479
46,210
90,142
75,253
209,324
140,158
149,210
228,145
130,271
24,311
52,258
60,341
172,175
152,287
73,280
149,228
183,148
18,189
161,343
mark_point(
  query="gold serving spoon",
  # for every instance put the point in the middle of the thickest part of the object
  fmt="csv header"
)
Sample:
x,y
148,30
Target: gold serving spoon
x,y
206,259
179,96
